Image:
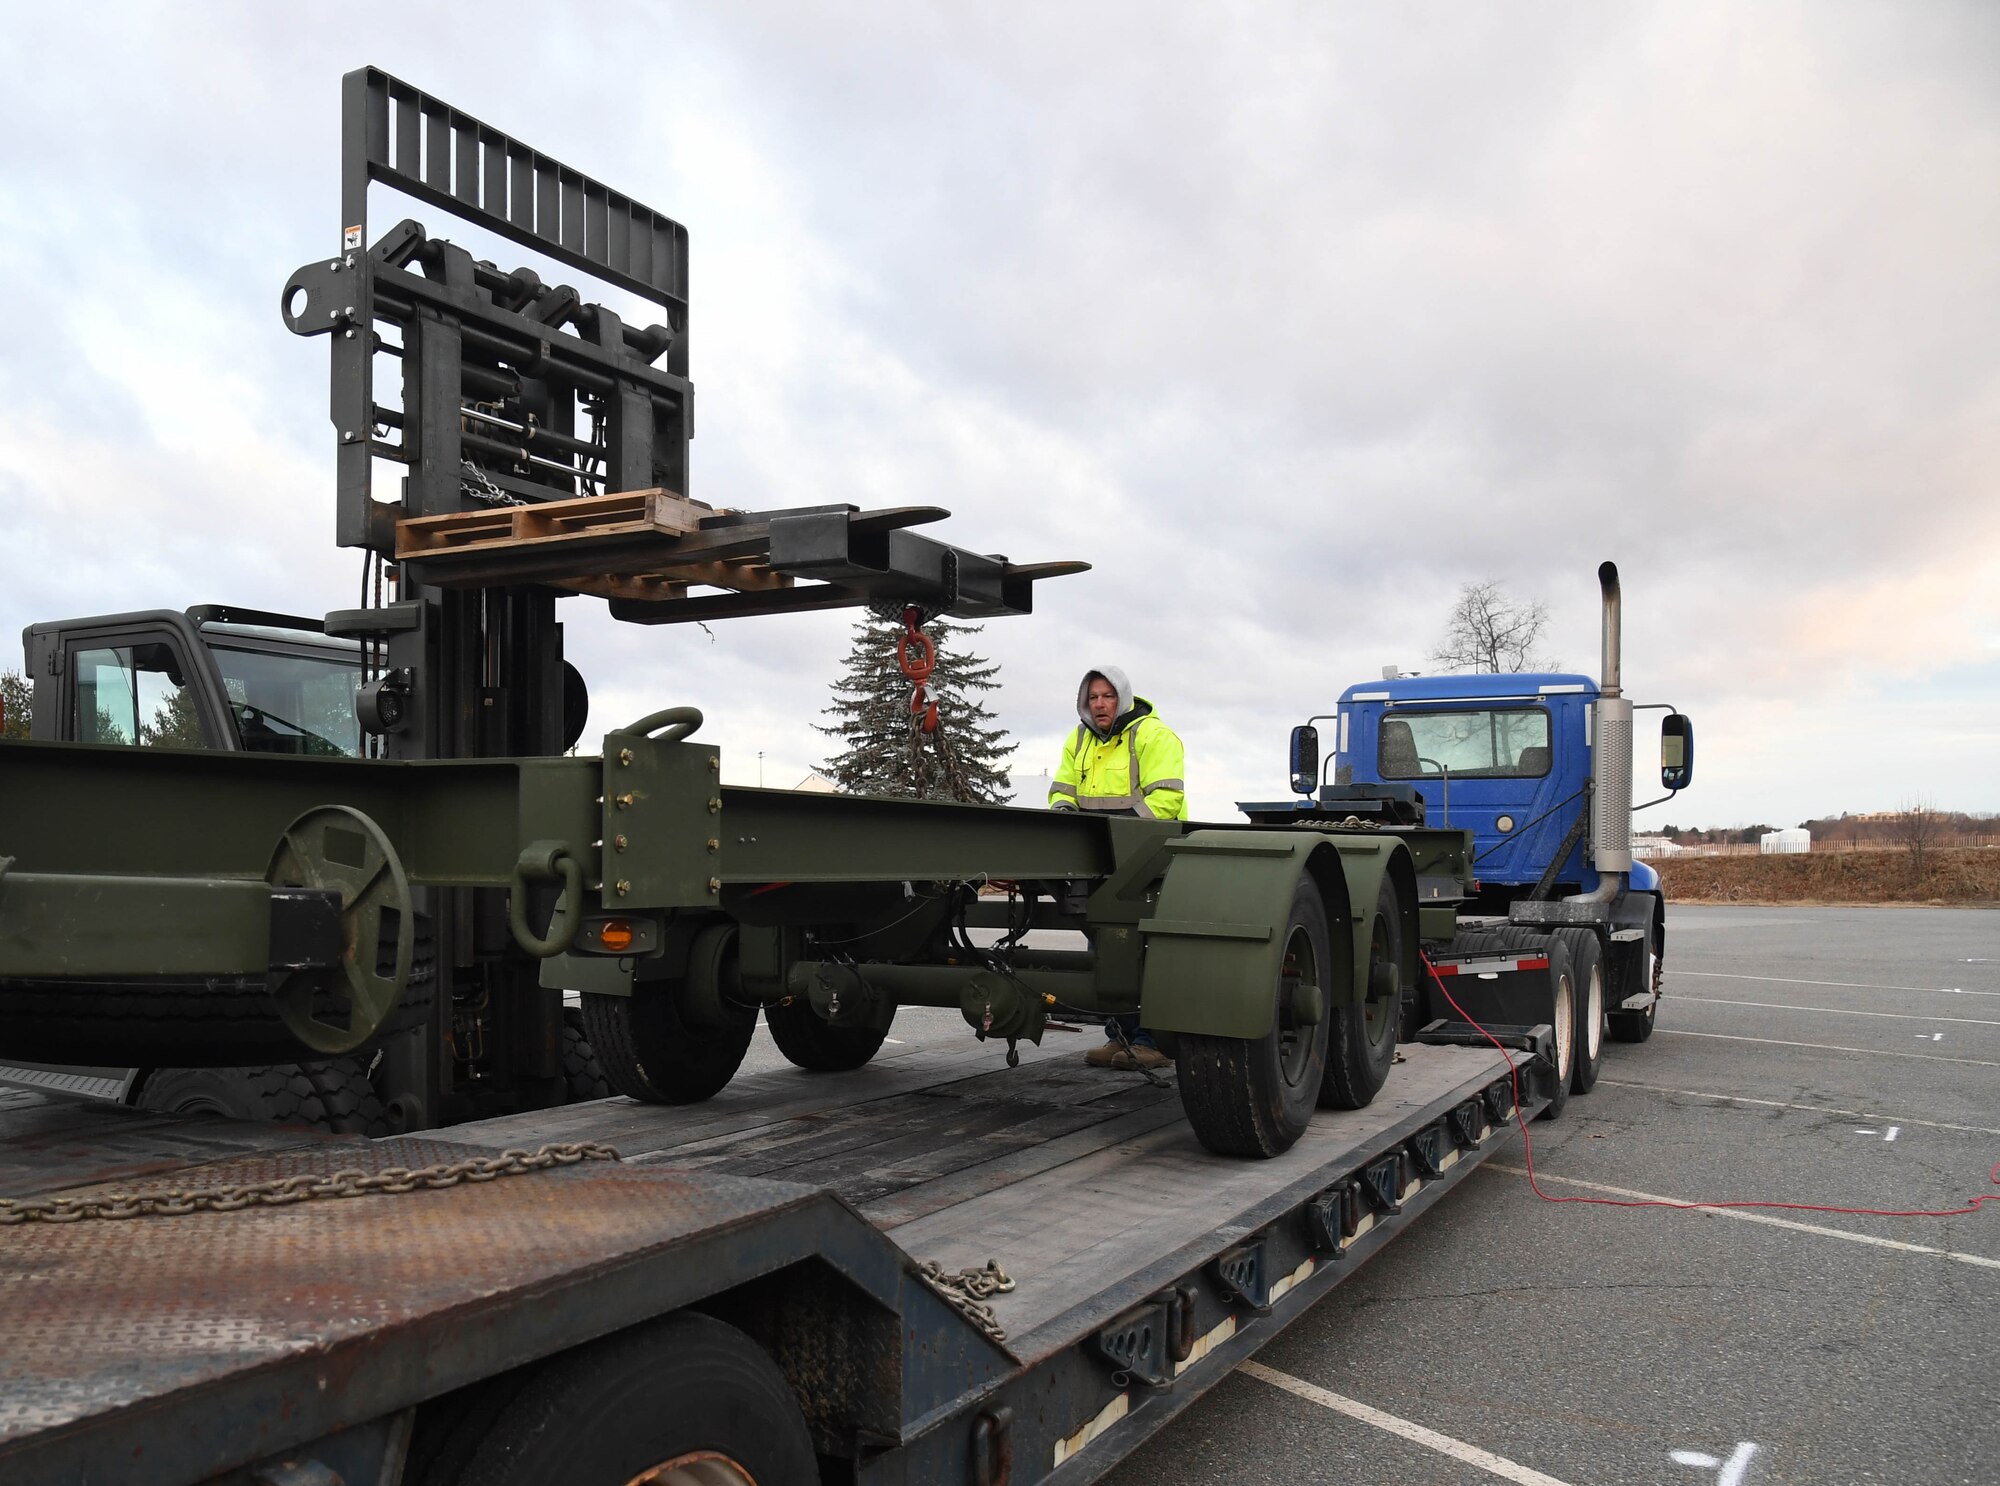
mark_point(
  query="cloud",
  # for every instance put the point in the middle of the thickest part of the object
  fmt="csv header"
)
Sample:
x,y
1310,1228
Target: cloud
x,y
1290,318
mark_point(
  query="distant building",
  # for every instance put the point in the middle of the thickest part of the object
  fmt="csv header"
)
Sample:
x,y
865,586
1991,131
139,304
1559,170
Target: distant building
x,y
1656,846
1785,843
817,783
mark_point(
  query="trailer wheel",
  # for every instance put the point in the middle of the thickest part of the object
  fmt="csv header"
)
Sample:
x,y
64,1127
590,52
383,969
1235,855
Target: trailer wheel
x,y
1361,1042
685,1401
1255,1096
819,1046
1644,974
649,1051
1586,961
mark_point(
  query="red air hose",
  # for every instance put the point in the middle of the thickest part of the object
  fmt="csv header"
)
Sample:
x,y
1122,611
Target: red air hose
x,y
1527,1151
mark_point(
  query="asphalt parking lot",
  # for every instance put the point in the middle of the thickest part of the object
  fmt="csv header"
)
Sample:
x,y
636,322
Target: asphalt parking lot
x,y
1839,1057
1843,1057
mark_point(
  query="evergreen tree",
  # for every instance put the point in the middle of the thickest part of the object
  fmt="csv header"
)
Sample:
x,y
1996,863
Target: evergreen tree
x,y
884,750
17,700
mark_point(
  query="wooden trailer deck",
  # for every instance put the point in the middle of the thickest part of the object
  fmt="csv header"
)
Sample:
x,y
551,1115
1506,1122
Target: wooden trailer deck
x,y
1085,1185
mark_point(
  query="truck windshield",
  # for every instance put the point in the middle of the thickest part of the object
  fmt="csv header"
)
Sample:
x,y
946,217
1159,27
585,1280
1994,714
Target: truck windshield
x,y
1485,744
292,703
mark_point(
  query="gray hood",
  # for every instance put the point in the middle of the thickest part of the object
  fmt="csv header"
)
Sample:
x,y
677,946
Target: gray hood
x,y
1121,683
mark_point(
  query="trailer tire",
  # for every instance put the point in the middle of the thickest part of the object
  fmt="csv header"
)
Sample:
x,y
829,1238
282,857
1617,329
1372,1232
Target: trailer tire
x,y
818,1046
648,1051
1248,1096
1361,1040
583,1075
683,1401
1637,1026
334,1095
1586,961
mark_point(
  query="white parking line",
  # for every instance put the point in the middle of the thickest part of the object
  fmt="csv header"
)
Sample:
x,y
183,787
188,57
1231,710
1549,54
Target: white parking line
x,y
1828,1047
1853,1114
1749,1217
1852,985
1444,1444
1900,1016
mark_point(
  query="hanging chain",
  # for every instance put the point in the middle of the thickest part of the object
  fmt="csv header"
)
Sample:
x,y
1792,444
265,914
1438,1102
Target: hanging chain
x,y
967,1292
916,654
284,1191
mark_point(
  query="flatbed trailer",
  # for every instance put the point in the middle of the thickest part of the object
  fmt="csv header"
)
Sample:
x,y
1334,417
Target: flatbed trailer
x,y
350,1338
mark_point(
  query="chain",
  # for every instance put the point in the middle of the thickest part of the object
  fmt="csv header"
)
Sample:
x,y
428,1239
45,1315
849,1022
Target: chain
x,y
967,1292
1352,823
480,488
284,1191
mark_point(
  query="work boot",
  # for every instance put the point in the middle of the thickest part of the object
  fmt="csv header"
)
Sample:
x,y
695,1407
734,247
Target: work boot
x,y
1145,1056
1108,1054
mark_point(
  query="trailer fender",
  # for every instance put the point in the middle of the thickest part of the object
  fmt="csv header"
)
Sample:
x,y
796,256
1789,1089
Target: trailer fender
x,y
1215,942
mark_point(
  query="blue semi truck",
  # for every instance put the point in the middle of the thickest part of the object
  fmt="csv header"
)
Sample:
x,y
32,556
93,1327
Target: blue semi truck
x,y
1537,766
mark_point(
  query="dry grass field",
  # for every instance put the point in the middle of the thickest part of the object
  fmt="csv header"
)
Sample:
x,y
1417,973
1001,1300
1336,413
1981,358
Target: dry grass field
x,y
1957,876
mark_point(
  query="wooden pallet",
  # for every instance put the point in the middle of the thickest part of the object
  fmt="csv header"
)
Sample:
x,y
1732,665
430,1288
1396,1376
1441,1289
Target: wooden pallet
x,y
627,545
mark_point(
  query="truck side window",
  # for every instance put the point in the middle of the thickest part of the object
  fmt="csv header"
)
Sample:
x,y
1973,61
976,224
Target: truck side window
x,y
133,694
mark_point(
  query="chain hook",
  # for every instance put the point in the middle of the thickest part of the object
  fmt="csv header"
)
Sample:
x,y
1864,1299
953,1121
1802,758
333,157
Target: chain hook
x,y
916,655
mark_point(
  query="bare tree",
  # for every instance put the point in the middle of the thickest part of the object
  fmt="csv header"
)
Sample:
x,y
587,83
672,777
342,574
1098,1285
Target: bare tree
x,y
1919,830
1488,631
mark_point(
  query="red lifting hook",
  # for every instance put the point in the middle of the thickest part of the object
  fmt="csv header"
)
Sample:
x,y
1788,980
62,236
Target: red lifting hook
x,y
917,667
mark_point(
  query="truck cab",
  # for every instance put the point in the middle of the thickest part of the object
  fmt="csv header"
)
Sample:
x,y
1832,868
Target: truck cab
x,y
1506,757
207,677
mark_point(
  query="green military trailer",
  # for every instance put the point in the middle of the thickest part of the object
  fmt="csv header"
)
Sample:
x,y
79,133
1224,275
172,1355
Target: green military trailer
x,y
742,1298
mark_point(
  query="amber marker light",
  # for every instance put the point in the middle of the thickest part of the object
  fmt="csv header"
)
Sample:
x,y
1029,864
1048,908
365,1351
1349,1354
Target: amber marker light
x,y
615,935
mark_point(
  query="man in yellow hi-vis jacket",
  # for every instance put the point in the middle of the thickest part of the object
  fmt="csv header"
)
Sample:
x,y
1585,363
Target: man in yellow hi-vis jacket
x,y
1122,760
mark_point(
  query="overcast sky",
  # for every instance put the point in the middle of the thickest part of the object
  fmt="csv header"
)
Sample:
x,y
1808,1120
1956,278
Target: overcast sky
x,y
1290,319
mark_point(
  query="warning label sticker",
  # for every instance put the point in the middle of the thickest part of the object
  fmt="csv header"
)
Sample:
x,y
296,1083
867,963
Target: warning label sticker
x,y
350,239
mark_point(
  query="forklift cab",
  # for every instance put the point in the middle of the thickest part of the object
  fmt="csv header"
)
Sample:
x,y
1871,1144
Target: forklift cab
x,y
210,677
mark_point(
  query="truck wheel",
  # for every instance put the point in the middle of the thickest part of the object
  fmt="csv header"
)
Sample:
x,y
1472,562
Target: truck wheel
x,y
1562,1018
583,1075
1586,961
1361,1043
1643,974
819,1046
649,1051
334,1095
1255,1096
684,1401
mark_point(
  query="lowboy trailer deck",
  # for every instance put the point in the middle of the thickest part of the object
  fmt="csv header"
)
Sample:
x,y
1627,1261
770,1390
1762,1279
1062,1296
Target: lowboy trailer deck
x,y
351,1338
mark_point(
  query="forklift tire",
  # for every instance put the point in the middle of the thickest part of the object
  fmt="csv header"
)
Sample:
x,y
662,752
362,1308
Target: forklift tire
x,y
1361,1043
682,1399
1254,1096
1643,972
649,1052
222,1022
334,1095
818,1046
1586,960
583,1075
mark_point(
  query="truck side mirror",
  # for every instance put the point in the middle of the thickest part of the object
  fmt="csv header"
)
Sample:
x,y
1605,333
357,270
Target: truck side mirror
x,y
1305,759
1676,752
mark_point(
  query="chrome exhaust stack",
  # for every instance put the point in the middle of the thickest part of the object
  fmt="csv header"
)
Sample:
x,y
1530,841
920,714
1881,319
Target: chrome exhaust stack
x,y
1610,759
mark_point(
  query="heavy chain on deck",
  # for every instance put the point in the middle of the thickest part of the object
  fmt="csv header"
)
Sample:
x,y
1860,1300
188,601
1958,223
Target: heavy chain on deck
x,y
966,1291
284,1191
